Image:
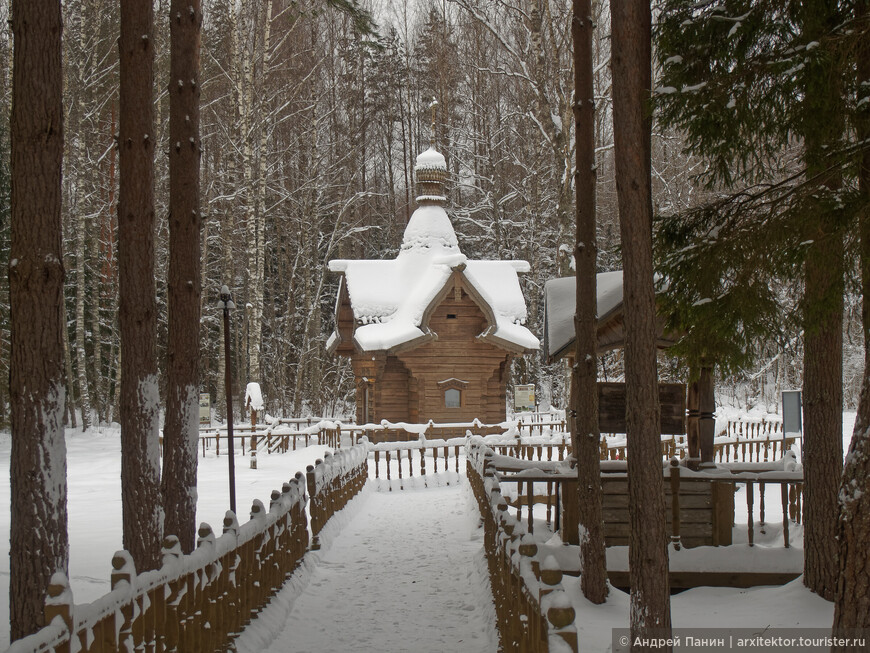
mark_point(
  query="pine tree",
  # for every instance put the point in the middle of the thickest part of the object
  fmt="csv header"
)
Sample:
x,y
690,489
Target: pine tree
x,y
852,603
139,398
745,81
181,428
585,434
632,124
39,545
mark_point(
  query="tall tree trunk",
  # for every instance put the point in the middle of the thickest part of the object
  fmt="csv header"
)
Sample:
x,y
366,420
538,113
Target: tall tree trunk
x,y
256,210
81,241
181,425
67,360
822,314
137,316
648,558
584,380
39,544
852,601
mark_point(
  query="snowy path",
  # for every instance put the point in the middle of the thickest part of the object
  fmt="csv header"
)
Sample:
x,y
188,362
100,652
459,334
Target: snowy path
x,y
399,571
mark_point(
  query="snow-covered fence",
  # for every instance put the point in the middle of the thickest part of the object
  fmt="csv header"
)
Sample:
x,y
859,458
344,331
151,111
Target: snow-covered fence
x,y
199,602
332,482
541,426
335,434
440,453
701,504
277,438
752,448
532,607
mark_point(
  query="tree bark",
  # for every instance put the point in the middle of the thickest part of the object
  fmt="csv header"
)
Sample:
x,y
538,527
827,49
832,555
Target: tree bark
x,y
852,600
822,315
584,380
39,544
139,399
181,427
648,558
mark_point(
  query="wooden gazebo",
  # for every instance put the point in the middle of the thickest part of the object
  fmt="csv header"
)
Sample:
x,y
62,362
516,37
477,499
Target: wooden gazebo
x,y
694,415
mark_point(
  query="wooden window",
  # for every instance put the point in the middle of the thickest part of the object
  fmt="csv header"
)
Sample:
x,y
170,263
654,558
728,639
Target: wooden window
x,y
451,316
453,389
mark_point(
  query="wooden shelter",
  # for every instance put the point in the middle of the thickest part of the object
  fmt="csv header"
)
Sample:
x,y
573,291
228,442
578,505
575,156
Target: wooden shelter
x,y
430,334
559,337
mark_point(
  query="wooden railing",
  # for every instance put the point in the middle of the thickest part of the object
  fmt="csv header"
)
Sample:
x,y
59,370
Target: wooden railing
x,y
701,505
397,459
200,601
533,610
402,432
752,448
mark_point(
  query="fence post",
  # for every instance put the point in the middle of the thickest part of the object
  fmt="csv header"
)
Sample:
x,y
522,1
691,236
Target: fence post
x,y
59,603
313,507
750,501
675,503
570,522
123,569
253,452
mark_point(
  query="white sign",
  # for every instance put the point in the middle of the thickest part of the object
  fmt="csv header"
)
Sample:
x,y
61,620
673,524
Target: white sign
x,y
524,397
205,408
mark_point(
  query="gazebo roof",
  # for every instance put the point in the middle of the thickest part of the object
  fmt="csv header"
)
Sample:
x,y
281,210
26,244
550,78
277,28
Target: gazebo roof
x,y
560,303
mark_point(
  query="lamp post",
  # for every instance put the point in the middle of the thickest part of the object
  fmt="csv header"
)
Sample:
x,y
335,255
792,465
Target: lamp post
x,y
227,303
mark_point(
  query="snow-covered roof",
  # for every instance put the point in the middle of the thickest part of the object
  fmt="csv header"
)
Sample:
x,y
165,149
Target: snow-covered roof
x,y
389,298
561,302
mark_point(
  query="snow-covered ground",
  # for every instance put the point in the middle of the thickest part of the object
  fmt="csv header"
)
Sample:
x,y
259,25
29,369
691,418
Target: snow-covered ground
x,y
94,503
442,518
404,566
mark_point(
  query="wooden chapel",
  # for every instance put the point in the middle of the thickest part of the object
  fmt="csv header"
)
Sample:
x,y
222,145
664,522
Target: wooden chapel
x,y
431,333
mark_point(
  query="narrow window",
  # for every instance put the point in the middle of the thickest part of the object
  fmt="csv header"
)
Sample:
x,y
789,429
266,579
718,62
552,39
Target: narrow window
x,y
452,398
451,316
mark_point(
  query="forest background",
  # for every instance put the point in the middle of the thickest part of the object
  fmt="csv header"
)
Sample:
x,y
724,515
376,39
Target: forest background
x,y
309,134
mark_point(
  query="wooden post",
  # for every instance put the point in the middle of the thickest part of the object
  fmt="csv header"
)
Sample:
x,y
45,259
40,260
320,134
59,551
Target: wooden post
x,y
706,419
675,503
530,498
570,512
313,508
123,570
784,493
59,603
750,500
253,450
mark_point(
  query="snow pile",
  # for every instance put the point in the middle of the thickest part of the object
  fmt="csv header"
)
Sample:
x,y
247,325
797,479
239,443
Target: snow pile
x,y
254,396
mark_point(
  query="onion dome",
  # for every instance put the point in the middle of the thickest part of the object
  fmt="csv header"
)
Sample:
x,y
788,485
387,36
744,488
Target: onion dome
x,y
430,171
